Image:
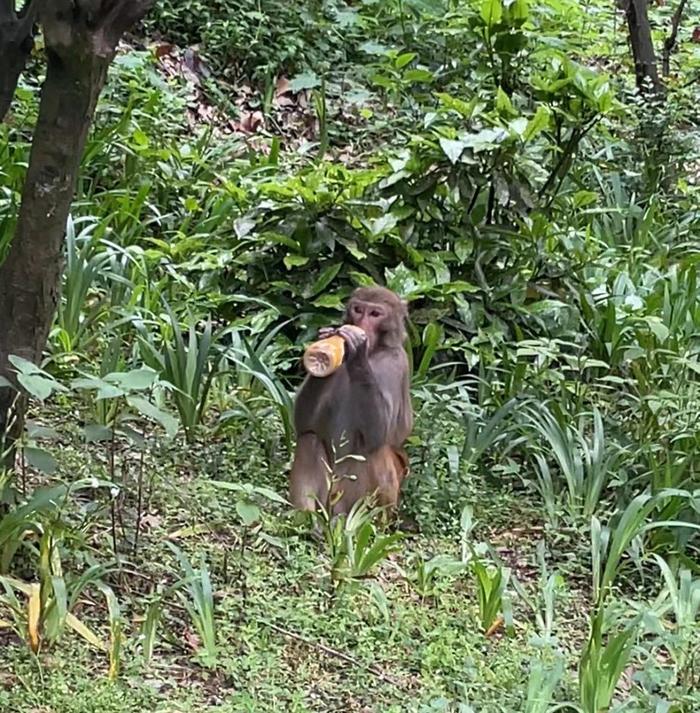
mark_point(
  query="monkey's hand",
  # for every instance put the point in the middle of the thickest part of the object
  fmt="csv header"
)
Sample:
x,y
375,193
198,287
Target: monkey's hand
x,y
355,341
326,332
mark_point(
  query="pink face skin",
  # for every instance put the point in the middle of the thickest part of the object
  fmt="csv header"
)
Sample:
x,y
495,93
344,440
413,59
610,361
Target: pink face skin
x,y
368,316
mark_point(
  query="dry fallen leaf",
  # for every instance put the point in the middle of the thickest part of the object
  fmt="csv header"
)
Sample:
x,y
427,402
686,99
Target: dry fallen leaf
x,y
192,640
496,626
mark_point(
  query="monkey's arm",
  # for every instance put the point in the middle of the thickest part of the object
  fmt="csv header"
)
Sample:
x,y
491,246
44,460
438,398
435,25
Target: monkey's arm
x,y
373,392
393,372
309,403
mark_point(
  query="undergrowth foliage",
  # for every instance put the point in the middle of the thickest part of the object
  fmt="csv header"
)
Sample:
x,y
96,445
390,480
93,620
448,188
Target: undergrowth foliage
x,y
533,211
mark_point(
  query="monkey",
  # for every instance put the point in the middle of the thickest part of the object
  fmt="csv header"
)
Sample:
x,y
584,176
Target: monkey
x,y
355,421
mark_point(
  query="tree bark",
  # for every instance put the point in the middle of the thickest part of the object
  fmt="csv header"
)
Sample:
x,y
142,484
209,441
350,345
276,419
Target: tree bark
x,y
81,37
645,66
16,42
670,43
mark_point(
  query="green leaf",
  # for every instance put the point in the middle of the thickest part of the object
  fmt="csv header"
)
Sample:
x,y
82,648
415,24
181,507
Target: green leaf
x,y
96,432
140,138
34,430
485,139
371,47
403,59
248,512
38,386
243,227
270,494
453,149
40,459
458,287
518,10
146,408
328,301
538,123
658,328
324,279
134,380
503,103
491,12
104,390
24,366
291,261
384,224
418,75
465,109
518,126
305,80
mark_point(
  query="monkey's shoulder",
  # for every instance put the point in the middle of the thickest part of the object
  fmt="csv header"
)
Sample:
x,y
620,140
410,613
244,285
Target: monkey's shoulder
x,y
391,360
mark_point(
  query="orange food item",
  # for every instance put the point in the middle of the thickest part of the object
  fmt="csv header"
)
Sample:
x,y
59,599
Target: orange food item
x,y
323,357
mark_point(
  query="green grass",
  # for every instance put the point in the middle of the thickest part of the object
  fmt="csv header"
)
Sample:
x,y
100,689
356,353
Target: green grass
x,y
584,304
283,634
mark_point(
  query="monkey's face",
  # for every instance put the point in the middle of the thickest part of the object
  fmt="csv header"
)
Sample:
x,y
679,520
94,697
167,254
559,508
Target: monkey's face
x,y
371,318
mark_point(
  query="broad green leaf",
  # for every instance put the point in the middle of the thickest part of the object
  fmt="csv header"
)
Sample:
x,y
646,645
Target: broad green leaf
x,y
324,279
305,80
537,123
503,103
35,430
485,139
491,12
658,328
518,10
328,301
270,494
291,261
371,47
38,386
134,380
152,412
403,59
518,126
24,366
453,148
95,432
465,109
40,459
243,227
383,224
418,75
248,512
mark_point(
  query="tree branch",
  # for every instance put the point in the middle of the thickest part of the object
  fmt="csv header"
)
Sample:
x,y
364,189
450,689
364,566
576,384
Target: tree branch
x,y
16,43
123,14
7,10
670,42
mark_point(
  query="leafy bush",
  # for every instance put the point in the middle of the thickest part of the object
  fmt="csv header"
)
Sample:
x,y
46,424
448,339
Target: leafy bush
x,y
257,39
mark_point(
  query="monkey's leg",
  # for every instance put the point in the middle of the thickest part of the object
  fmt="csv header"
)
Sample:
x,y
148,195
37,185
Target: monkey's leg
x,y
308,479
380,475
387,469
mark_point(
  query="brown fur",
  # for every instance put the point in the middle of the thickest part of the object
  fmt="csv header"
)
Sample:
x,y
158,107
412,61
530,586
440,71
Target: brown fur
x,y
362,409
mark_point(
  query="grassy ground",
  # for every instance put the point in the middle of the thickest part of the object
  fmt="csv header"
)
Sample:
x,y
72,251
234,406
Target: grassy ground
x,y
288,641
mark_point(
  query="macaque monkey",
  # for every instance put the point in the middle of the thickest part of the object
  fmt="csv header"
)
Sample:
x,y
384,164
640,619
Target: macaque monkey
x,y
362,409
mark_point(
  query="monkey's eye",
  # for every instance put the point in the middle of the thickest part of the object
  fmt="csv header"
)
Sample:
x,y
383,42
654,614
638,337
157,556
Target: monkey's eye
x,y
357,309
375,313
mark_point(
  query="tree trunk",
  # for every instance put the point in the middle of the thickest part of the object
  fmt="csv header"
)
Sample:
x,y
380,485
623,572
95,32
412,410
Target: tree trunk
x,y
16,42
645,67
81,38
670,43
